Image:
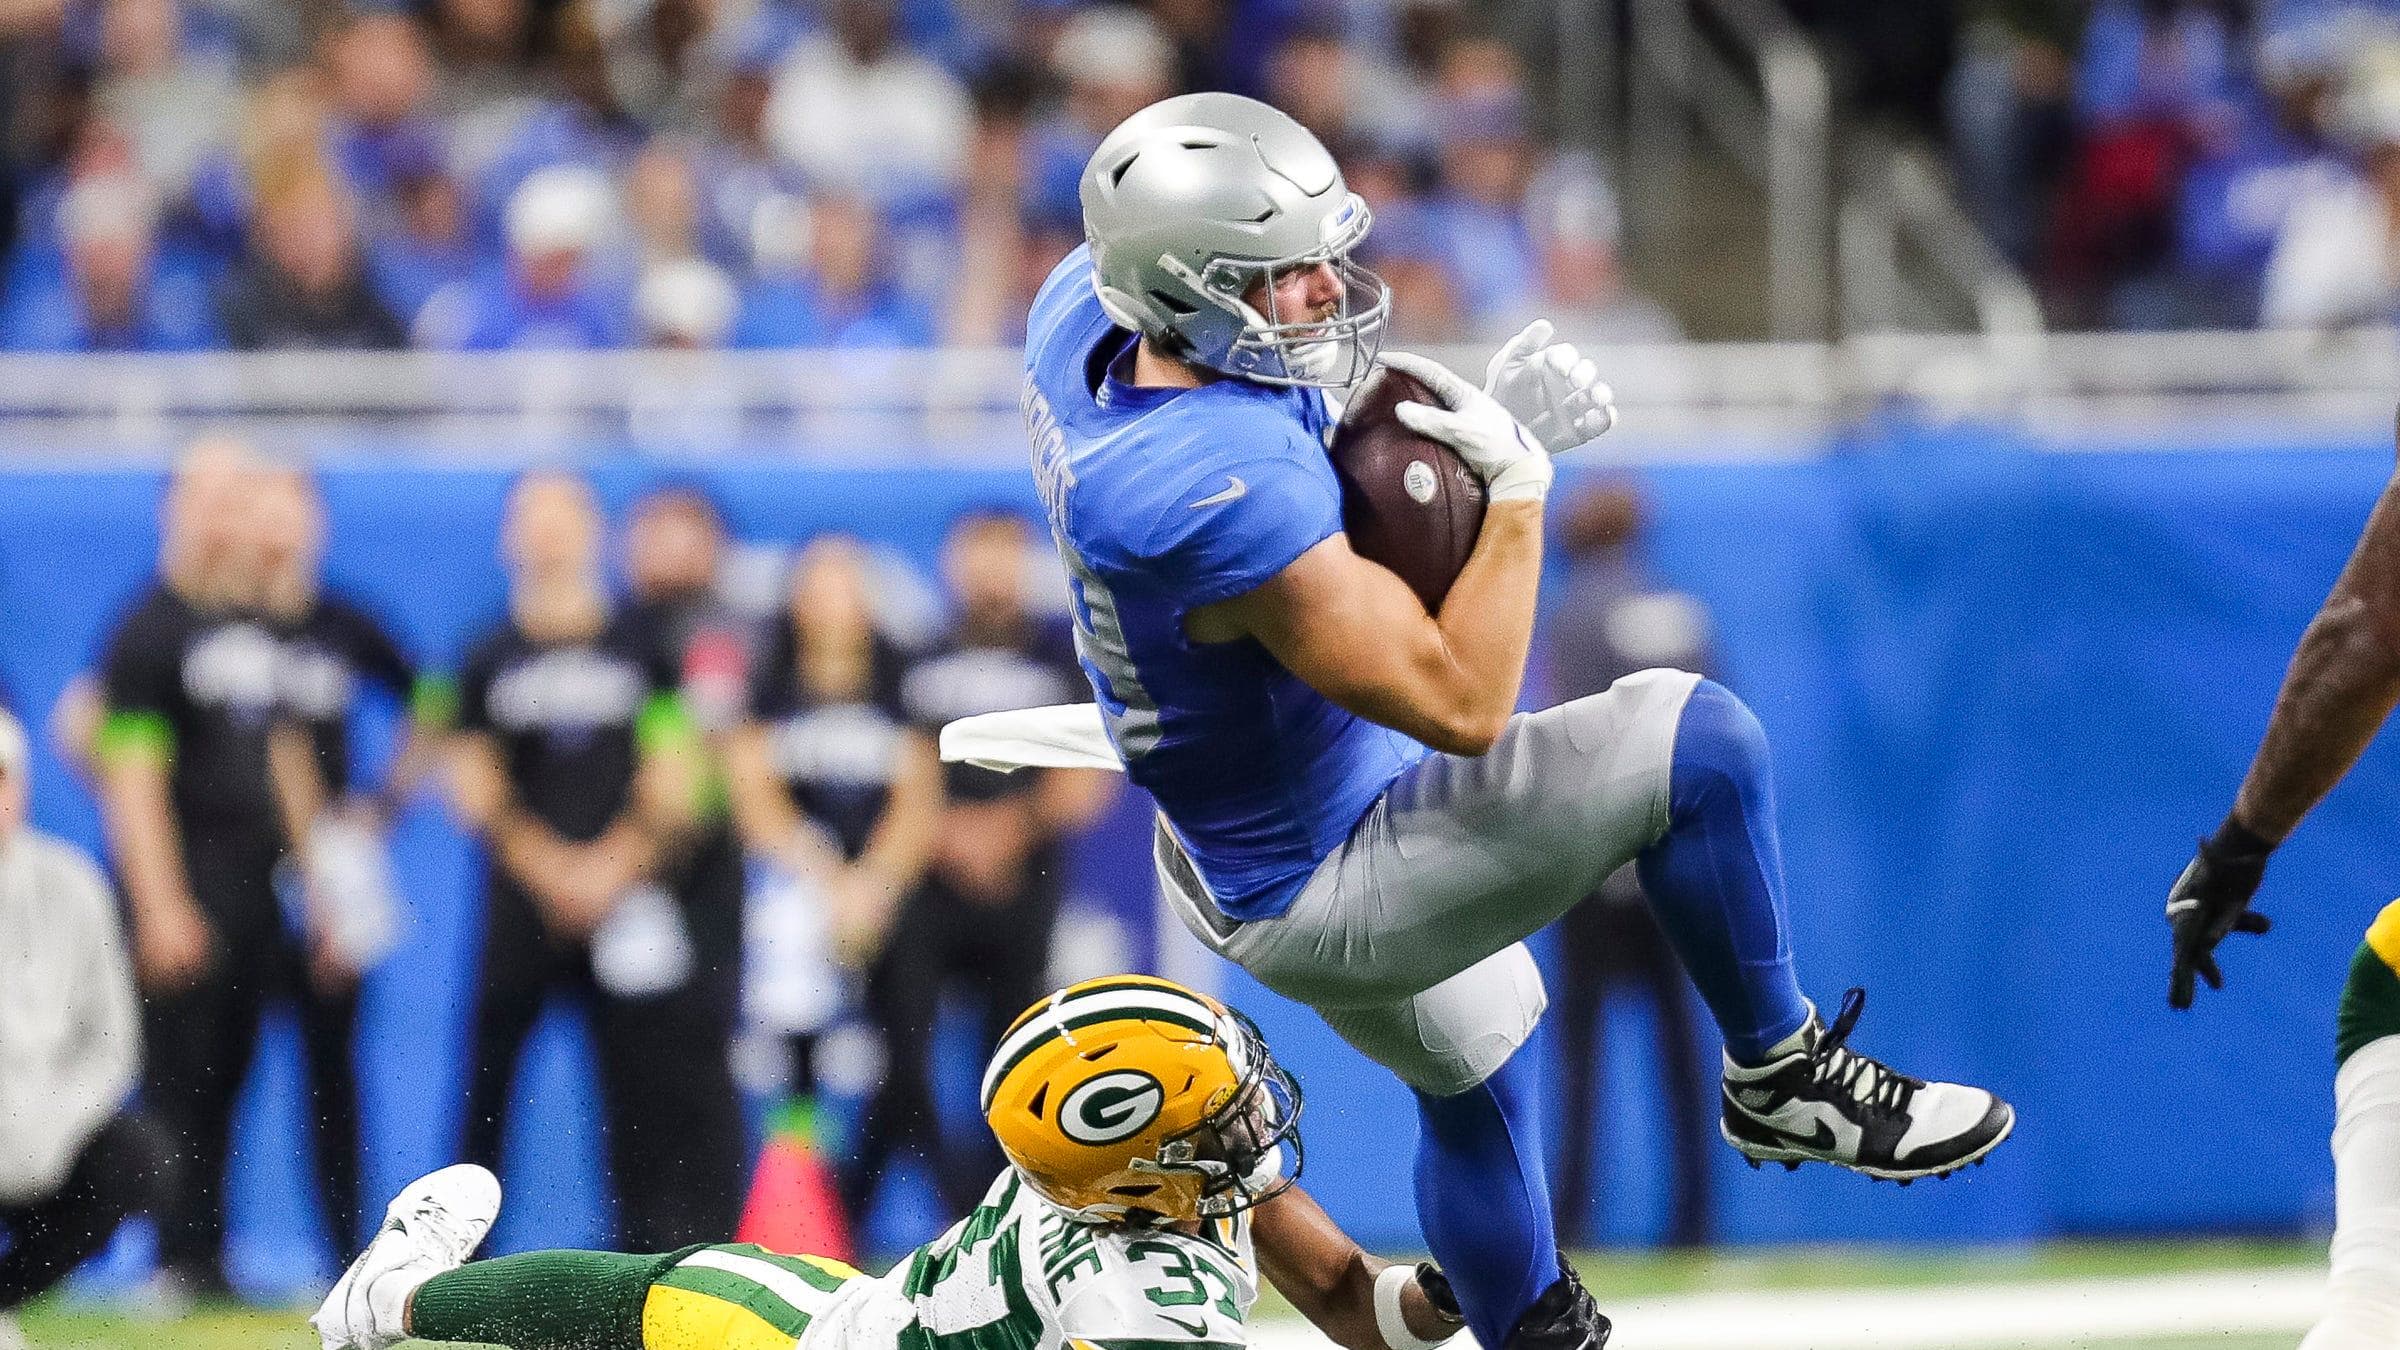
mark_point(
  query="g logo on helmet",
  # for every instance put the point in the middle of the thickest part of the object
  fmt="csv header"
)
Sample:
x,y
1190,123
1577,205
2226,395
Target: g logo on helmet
x,y
1110,1107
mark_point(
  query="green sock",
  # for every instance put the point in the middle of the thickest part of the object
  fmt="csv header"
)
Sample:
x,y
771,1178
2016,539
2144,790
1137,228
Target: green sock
x,y
542,1301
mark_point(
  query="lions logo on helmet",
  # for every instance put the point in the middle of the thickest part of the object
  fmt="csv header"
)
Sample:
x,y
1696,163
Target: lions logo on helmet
x,y
1136,1100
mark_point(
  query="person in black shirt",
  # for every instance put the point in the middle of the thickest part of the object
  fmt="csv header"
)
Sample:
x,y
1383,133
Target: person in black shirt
x,y
330,650
577,768
187,698
830,785
304,284
982,923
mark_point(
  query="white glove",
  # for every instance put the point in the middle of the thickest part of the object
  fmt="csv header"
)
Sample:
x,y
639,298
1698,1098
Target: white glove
x,y
1550,387
1494,444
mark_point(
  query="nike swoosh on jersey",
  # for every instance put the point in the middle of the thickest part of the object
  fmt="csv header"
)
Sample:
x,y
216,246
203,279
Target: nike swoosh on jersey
x,y
1235,489
1199,1330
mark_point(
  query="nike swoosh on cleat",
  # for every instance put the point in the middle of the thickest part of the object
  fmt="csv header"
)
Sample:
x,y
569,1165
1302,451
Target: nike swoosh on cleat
x,y
1199,1330
1235,490
1821,1141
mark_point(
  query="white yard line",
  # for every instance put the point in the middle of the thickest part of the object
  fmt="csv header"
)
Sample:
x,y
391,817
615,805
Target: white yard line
x,y
2000,1316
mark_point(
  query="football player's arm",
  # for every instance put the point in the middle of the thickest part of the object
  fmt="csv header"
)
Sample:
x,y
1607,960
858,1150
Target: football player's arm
x,y
1331,1280
1358,635
133,748
763,813
897,851
2341,686
659,817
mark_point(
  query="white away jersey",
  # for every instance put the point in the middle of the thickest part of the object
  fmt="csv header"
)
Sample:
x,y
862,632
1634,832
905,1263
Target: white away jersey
x,y
1018,1274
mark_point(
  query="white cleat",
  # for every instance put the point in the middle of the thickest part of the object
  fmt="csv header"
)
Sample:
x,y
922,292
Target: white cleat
x,y
433,1225
1818,1100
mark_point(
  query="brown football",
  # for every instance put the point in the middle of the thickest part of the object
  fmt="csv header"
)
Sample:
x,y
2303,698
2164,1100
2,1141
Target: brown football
x,y
1407,502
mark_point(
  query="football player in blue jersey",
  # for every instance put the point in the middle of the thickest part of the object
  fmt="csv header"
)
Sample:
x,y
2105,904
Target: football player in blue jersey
x,y
1351,807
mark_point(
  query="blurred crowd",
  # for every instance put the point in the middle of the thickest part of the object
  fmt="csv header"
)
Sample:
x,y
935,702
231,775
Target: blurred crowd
x,y
490,174
2160,164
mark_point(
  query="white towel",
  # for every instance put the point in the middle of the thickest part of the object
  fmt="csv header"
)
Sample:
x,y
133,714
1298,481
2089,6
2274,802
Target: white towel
x,y
1068,736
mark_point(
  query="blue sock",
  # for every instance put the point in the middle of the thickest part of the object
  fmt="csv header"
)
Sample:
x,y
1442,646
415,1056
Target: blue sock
x,y
1716,880
1482,1197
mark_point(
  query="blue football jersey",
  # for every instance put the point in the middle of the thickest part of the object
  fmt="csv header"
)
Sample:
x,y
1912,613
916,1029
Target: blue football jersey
x,y
1164,500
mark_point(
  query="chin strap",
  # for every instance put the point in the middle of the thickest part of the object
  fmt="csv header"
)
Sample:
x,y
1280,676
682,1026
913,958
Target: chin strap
x,y
1388,1319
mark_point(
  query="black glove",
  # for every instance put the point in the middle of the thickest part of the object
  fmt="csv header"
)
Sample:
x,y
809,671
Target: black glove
x,y
1438,1292
2211,899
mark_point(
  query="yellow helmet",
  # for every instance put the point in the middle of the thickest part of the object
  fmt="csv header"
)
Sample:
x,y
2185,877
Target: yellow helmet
x,y
1136,1100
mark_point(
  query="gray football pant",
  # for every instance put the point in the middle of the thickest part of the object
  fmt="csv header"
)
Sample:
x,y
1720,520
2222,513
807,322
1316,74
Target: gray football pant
x,y
1409,938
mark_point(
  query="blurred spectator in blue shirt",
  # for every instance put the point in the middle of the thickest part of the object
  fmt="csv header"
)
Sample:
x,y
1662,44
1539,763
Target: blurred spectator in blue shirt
x,y
738,171
380,77
858,112
303,285
2248,175
842,298
2336,262
109,289
1486,160
554,292
581,125
418,244
2146,59
1571,215
1114,63
1406,249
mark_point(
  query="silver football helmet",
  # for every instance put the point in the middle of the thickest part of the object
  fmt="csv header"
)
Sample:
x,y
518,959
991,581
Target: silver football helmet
x,y
1193,201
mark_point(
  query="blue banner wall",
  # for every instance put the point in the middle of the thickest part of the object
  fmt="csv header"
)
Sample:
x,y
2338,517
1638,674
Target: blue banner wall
x,y
2007,687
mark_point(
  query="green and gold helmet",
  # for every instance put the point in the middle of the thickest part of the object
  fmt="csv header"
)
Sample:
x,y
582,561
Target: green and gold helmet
x,y
1133,1099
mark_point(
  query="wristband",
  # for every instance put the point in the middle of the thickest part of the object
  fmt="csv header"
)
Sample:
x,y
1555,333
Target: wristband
x,y
1388,1320
1525,479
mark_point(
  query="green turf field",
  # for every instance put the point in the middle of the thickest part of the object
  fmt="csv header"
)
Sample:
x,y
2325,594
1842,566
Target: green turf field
x,y
1613,1276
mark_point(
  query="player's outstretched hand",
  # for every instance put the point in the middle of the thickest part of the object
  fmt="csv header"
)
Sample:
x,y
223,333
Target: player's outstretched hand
x,y
1552,388
1512,465
2211,899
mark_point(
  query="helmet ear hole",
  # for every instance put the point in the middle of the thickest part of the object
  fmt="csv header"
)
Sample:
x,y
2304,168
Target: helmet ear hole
x,y
1041,1095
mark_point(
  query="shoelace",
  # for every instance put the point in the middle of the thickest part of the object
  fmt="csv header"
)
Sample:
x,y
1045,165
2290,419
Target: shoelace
x,y
442,1226
1866,1081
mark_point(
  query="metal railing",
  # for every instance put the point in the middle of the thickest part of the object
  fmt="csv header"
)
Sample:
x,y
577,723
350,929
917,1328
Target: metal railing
x,y
1766,105
1680,401
1892,234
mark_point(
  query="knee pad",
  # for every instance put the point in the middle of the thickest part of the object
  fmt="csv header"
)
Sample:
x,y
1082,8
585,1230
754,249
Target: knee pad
x,y
1458,1033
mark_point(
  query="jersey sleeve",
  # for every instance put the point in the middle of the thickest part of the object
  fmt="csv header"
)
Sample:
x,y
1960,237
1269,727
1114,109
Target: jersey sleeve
x,y
141,677
1231,529
474,711
375,653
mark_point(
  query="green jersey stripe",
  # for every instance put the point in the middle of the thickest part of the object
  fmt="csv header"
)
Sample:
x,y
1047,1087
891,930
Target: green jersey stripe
x,y
724,1286
817,1276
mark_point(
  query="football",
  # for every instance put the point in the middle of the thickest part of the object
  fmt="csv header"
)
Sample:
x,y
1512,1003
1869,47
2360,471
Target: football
x,y
1408,502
